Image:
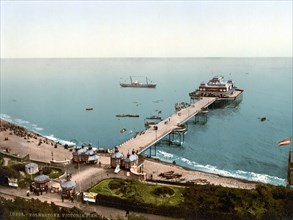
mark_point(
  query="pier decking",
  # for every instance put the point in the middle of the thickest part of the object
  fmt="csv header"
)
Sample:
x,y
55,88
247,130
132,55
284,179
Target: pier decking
x,y
156,132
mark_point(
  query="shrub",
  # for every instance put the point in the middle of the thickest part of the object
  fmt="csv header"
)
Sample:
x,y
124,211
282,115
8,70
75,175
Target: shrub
x,y
47,170
9,172
55,173
279,193
116,184
163,191
18,167
22,183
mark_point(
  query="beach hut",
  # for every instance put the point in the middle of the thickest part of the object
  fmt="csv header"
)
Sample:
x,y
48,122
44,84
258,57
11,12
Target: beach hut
x,y
68,187
31,168
40,184
91,156
87,155
116,158
130,160
78,155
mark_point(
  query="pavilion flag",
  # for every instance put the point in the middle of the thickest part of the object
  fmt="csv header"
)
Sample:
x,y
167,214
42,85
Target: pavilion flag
x,y
284,142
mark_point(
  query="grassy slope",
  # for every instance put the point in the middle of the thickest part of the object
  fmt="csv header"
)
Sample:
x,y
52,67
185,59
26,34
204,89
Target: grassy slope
x,y
140,191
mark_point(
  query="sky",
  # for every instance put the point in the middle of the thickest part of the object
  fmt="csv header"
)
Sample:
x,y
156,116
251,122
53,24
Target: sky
x,y
46,29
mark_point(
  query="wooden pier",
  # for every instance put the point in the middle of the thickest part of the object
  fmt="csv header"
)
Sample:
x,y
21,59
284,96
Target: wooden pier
x,y
155,133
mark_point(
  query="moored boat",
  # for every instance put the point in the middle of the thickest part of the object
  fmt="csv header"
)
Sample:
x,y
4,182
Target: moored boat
x,y
128,115
154,117
148,124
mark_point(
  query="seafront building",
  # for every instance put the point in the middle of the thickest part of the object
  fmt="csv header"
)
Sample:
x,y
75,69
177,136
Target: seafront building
x,y
31,168
129,161
216,87
68,188
40,184
125,162
224,91
116,158
85,155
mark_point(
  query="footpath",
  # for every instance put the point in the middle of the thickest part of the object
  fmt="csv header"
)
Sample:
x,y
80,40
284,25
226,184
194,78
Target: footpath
x,y
111,213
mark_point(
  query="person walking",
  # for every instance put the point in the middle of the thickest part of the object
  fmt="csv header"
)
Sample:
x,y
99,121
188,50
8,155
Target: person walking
x,y
127,213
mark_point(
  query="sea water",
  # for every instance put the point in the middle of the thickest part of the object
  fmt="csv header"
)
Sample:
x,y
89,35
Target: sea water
x,y
50,96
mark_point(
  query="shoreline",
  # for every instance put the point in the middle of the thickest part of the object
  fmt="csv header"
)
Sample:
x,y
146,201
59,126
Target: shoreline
x,y
205,177
19,142
22,142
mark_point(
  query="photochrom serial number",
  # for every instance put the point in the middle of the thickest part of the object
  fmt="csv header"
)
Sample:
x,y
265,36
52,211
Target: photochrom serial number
x,y
49,215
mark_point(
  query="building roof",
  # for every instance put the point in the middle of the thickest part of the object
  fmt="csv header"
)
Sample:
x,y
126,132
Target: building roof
x,y
117,155
68,184
80,151
133,157
217,81
41,178
90,152
31,166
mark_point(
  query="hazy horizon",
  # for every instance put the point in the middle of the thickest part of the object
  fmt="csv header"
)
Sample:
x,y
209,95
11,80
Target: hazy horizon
x,y
139,57
98,29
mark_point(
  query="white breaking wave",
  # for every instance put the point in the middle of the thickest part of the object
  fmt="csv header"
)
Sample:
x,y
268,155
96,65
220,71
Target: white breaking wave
x,y
240,174
38,129
5,117
51,137
165,154
20,121
34,128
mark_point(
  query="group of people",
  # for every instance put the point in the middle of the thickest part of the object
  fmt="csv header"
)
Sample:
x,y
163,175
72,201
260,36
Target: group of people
x,y
36,190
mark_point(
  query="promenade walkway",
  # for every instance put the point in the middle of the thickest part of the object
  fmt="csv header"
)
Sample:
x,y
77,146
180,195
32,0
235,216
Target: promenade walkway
x,y
152,135
111,213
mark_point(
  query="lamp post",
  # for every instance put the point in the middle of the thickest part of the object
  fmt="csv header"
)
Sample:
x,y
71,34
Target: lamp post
x,y
156,128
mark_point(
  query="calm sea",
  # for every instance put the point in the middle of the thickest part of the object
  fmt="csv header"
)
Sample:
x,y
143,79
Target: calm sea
x,y
49,96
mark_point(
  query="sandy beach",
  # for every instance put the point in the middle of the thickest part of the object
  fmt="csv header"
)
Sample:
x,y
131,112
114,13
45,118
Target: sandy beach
x,y
20,142
17,141
155,168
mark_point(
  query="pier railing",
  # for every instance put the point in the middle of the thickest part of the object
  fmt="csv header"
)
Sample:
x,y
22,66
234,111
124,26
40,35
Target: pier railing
x,y
155,133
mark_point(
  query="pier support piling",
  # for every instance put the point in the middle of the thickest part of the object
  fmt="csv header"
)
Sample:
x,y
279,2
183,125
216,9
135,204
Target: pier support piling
x,y
201,118
176,137
151,152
